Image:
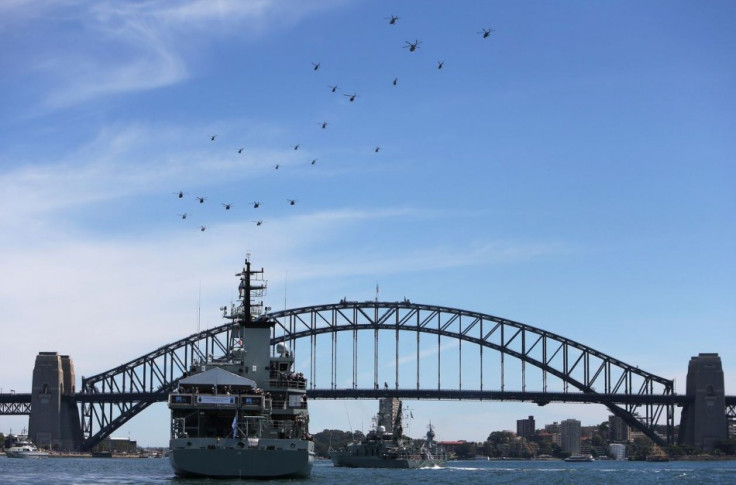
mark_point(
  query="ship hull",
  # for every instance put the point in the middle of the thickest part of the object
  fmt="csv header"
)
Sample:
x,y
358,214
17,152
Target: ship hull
x,y
235,459
344,459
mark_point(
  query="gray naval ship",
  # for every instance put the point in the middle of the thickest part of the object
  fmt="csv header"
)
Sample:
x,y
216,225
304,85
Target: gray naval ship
x,y
386,447
243,415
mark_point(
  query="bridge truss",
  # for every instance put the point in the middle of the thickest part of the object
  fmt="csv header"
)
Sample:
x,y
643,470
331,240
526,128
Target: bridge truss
x,y
425,352
433,347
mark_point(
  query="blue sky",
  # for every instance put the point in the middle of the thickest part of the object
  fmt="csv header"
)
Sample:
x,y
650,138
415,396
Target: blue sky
x,y
573,171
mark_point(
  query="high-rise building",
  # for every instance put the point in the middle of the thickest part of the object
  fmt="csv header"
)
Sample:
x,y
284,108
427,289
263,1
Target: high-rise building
x,y
388,410
618,430
525,427
570,431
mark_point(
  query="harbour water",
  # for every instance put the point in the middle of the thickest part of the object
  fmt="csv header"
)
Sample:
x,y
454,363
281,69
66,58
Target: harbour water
x,y
157,471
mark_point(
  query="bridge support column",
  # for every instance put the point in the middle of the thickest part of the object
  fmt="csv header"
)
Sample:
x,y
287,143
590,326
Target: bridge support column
x,y
703,422
54,421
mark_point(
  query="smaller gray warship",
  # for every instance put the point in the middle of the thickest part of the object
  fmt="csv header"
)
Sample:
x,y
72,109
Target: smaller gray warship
x,y
243,415
382,448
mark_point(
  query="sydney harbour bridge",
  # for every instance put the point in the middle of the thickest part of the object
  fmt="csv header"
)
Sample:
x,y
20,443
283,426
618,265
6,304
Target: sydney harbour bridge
x,y
373,349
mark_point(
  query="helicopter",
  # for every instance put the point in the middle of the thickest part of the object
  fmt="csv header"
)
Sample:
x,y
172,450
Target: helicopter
x,y
179,194
201,199
259,222
486,32
412,45
395,81
212,137
256,204
324,125
183,216
351,96
392,19
277,166
377,149
202,228
296,147
314,161
316,66
227,206
440,64
240,150
333,88
291,201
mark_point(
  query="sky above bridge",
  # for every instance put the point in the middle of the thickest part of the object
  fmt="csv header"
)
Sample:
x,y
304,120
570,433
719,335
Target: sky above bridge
x,y
573,170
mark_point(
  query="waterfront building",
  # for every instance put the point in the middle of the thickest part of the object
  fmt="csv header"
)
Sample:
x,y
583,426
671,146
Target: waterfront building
x,y
570,434
525,428
618,450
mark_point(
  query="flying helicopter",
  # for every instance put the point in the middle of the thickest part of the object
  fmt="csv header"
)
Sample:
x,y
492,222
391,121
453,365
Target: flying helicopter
x,y
377,149
486,32
240,150
212,137
351,96
227,206
296,147
183,216
314,161
291,201
392,19
316,66
201,199
395,81
259,222
179,194
324,124
256,204
333,88
202,228
440,64
277,166
412,45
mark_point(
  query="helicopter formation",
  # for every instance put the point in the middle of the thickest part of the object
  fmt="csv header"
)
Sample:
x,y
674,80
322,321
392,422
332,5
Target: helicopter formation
x,y
352,97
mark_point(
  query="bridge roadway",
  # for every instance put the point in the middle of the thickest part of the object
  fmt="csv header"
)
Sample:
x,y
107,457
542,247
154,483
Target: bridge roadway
x,y
19,404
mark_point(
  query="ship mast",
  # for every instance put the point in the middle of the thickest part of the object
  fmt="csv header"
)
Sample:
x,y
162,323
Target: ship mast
x,y
252,287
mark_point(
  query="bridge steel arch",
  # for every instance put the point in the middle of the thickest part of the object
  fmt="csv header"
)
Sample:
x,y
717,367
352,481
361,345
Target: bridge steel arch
x,y
600,377
110,399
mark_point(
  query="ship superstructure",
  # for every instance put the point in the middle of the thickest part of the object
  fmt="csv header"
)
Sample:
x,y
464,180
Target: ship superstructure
x,y
245,414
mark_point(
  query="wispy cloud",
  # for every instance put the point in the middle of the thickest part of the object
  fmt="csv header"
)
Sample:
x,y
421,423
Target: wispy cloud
x,y
110,47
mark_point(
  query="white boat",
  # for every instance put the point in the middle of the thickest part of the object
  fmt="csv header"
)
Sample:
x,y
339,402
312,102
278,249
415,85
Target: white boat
x,y
579,458
24,449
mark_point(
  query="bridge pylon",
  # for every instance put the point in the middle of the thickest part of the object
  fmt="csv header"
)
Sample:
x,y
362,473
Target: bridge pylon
x,y
703,422
54,422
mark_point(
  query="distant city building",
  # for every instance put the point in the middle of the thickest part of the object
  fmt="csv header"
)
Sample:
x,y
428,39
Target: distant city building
x,y
553,428
618,450
618,430
389,408
570,431
525,427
